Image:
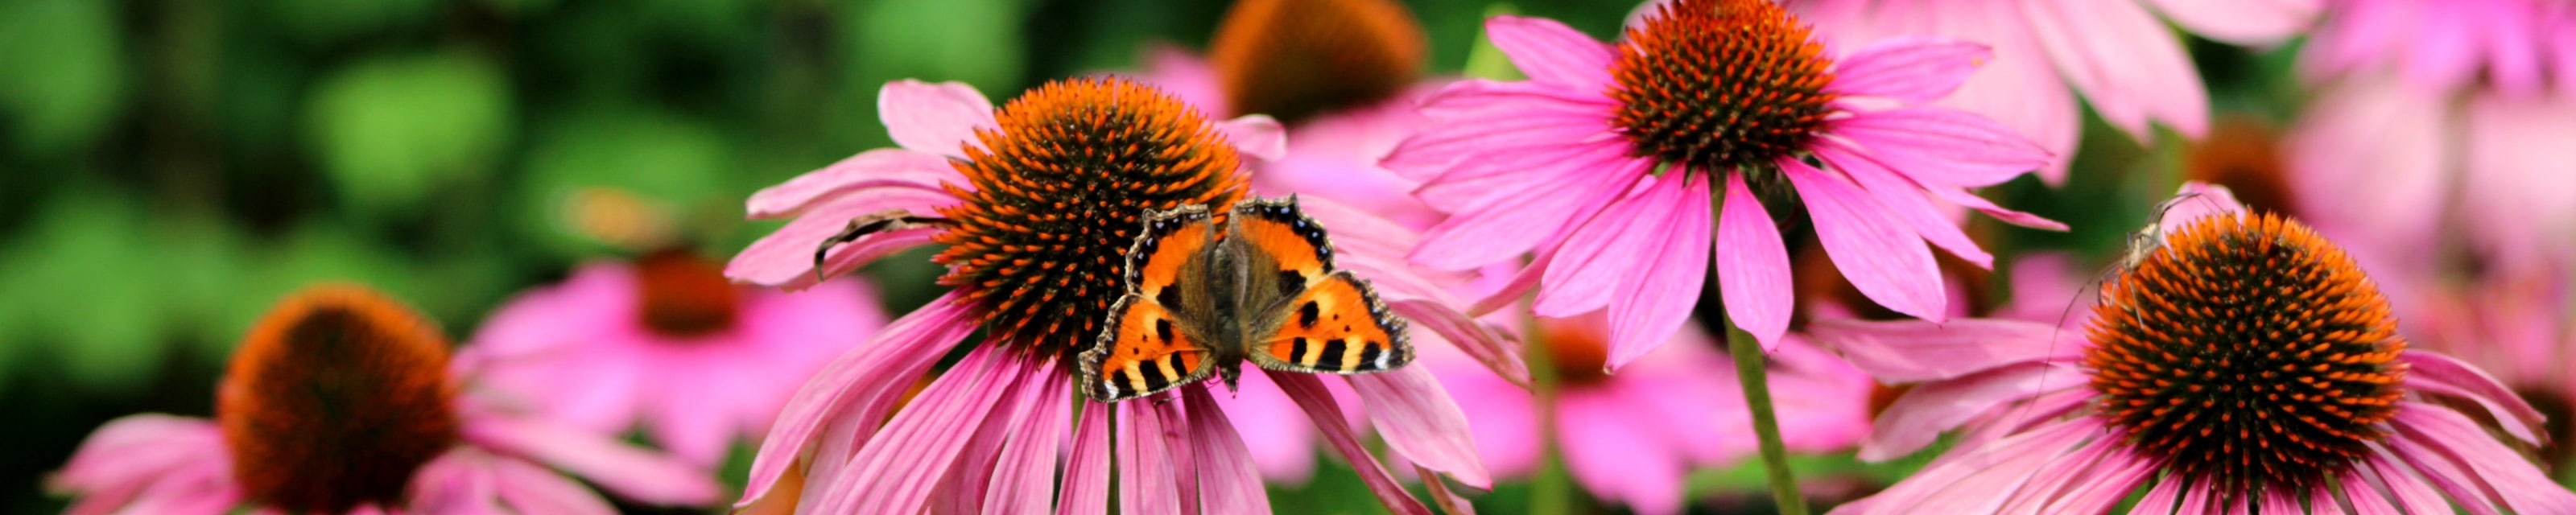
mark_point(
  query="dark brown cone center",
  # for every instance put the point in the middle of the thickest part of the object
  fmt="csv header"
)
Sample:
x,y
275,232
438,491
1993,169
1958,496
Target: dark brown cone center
x,y
338,395
681,295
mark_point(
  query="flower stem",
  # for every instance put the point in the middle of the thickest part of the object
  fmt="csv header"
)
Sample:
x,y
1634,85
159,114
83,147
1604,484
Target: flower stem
x,y
1552,489
1766,425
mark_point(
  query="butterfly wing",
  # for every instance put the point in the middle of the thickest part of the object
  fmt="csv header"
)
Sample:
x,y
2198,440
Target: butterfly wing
x,y
1308,317
1148,346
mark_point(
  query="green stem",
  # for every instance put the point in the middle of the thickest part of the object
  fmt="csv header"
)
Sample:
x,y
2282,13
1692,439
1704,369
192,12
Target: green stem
x,y
1552,489
1766,425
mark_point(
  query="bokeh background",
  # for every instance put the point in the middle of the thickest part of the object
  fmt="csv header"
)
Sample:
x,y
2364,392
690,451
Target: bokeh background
x,y
172,167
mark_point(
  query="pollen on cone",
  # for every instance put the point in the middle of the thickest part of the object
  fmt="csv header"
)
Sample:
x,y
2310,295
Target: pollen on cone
x,y
338,394
1720,84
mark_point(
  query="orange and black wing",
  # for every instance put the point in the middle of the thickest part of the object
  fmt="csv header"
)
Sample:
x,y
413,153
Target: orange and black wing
x,y
1311,317
1148,347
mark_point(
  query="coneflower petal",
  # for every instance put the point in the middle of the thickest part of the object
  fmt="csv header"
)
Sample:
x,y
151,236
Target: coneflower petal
x,y
1149,474
1649,308
863,384
1229,482
1310,395
1942,146
886,168
1551,52
1909,69
528,488
1421,423
1887,262
1904,198
899,469
2125,62
630,472
1025,477
1086,473
937,119
1753,266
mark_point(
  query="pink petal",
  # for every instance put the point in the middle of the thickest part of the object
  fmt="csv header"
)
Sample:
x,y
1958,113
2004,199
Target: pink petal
x,y
459,481
1918,417
863,385
899,467
2243,22
2375,154
1444,496
1551,52
2435,373
1086,474
1147,471
528,488
1942,147
1753,266
902,179
2162,497
1908,351
1025,476
2127,64
2413,494
1257,135
1184,75
630,472
1910,69
1980,204
2365,497
1228,481
1485,344
1618,460
786,258
2197,200
2522,486
933,118
134,449
1310,394
1908,201
1505,227
1650,307
1980,480
1471,117
2053,482
1421,423
1590,264
1885,261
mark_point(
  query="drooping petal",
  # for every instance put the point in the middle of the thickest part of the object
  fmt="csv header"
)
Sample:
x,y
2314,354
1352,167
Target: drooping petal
x,y
1604,251
1487,345
1228,483
1147,471
1918,417
1910,69
1472,117
1185,75
630,472
1421,423
2126,62
2162,497
900,466
1310,394
915,178
1886,261
1907,200
2521,486
457,481
1623,461
1025,475
1907,351
528,488
1942,146
1505,227
2243,22
863,384
2413,494
2436,373
933,118
1551,52
1964,199
1649,308
1257,135
1753,266
785,258
1086,473
1975,481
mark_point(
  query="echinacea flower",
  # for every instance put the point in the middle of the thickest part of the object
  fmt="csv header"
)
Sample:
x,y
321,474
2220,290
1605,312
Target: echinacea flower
x,y
2241,363
342,400
1633,437
2115,53
1037,204
2513,46
1605,162
667,342
1342,75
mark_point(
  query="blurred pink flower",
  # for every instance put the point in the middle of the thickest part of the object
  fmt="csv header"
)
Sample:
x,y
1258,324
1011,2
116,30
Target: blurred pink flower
x,y
1634,436
2395,170
2514,46
667,342
341,401
1604,163
985,433
2114,52
2062,422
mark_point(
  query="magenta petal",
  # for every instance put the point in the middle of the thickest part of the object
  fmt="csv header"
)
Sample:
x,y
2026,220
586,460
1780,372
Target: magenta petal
x,y
136,449
1147,472
1753,266
1505,227
1024,477
901,465
1257,135
1910,69
2162,497
786,258
1884,260
1621,460
457,481
2243,22
2415,495
880,169
1964,199
1976,480
1918,417
630,472
1086,474
1421,423
2203,200
1228,481
1603,251
1908,351
933,118
1650,307
2127,64
1551,52
2425,430
1484,343
862,385
1942,146
1907,200
2439,374
1310,394
528,488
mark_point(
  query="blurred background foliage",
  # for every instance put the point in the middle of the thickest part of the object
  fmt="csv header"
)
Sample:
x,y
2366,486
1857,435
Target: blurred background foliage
x,y
174,166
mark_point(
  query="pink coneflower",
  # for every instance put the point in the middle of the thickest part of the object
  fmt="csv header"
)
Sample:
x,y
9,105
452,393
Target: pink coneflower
x,y
341,400
2115,53
667,342
2243,363
1037,203
1342,75
2386,164
1605,162
1633,437
2514,46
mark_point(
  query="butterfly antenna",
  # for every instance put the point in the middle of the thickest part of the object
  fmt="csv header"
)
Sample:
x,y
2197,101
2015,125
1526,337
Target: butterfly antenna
x,y
861,227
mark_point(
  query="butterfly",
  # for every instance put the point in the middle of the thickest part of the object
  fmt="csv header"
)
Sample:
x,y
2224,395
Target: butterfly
x,y
1204,294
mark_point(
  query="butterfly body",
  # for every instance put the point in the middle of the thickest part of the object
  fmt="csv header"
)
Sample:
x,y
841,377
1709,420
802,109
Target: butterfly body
x,y
1204,295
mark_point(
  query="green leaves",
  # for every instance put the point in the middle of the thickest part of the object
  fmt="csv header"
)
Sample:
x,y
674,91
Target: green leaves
x,y
62,73
391,130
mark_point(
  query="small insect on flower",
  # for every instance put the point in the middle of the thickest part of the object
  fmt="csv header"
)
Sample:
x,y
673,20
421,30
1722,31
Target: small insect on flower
x,y
1200,300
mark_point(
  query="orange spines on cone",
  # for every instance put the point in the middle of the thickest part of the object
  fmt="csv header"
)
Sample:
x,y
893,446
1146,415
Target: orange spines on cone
x,y
1720,84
